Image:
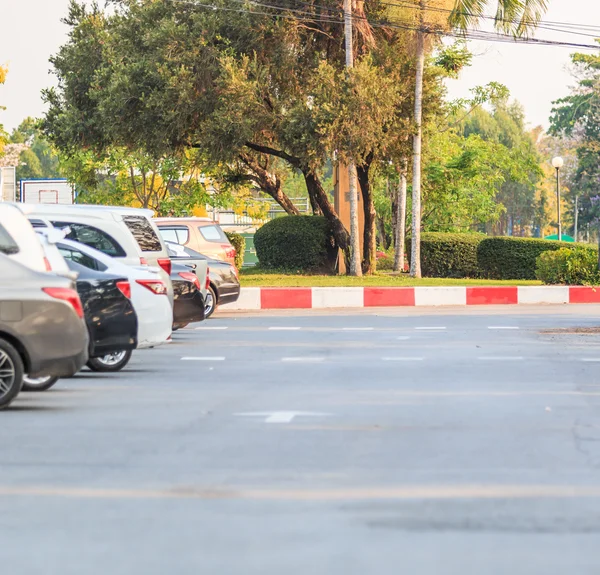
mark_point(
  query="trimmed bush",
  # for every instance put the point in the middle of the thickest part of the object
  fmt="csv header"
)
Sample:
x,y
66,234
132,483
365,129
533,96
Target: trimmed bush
x,y
448,255
296,243
508,258
239,243
570,266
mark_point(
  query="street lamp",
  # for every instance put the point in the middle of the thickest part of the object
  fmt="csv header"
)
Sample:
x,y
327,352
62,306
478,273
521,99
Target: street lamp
x,y
558,163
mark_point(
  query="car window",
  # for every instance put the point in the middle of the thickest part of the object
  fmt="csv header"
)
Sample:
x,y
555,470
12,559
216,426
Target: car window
x,y
92,237
8,246
74,255
143,233
212,234
179,235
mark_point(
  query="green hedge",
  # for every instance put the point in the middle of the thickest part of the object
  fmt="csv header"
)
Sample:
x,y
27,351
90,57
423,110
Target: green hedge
x,y
446,255
296,243
569,266
239,243
508,258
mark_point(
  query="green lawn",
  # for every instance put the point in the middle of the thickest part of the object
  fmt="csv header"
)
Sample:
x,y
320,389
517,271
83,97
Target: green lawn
x,y
250,277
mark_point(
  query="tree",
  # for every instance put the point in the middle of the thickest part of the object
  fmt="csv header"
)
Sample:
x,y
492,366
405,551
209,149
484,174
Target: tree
x,y
3,135
516,17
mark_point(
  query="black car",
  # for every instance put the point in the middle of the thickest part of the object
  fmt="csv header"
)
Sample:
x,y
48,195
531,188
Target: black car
x,y
224,283
188,306
111,320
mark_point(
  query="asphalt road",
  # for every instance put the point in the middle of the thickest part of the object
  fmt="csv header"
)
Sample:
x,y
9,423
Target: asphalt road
x,y
427,442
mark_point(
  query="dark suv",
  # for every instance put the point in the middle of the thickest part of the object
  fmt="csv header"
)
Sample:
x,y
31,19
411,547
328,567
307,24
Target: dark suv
x,y
42,331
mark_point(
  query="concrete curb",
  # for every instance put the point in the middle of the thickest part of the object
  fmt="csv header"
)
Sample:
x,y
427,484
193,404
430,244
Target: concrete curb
x,y
358,297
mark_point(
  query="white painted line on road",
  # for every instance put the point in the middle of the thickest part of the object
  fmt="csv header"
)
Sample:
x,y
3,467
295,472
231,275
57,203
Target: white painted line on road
x,y
211,327
358,328
502,327
403,337
591,359
283,328
202,359
282,416
502,358
303,359
402,358
430,328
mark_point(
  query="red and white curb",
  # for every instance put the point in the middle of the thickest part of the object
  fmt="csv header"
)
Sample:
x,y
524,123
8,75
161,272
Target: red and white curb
x,y
359,297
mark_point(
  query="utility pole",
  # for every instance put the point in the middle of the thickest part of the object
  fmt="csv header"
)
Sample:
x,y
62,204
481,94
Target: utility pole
x,y
355,265
576,217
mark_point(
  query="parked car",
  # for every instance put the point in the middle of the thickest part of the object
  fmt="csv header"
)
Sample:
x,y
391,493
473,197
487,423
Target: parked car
x,y
42,331
188,306
193,260
148,291
127,234
110,317
223,281
199,234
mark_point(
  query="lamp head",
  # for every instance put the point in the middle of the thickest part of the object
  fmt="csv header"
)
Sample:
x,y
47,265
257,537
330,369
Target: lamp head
x,y
558,162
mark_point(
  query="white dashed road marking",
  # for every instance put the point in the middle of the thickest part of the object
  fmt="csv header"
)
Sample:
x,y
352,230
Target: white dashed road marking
x,y
502,327
303,359
430,328
402,358
282,416
358,329
283,328
212,327
502,358
202,359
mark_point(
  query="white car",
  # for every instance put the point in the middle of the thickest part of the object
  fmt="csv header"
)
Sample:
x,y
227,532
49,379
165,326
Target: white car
x,y
148,291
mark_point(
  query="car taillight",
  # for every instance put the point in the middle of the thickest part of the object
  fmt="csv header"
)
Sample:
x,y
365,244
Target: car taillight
x,y
47,264
155,286
165,264
66,294
143,261
207,277
229,251
191,277
125,289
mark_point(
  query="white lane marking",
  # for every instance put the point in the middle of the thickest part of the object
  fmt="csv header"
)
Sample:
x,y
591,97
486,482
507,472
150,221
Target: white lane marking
x,y
282,416
303,359
403,337
283,328
211,327
503,327
202,359
502,358
402,358
591,359
358,328
430,328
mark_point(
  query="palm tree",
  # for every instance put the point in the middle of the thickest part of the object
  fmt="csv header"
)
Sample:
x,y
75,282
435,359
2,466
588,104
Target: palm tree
x,y
517,17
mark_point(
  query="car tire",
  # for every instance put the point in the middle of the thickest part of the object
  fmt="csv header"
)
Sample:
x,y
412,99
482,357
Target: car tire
x,y
210,302
11,373
110,363
38,384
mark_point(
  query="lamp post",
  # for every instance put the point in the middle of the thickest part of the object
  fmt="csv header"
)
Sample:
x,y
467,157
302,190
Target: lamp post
x,y
558,163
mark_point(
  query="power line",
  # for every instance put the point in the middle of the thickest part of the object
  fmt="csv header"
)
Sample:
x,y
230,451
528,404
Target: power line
x,y
305,16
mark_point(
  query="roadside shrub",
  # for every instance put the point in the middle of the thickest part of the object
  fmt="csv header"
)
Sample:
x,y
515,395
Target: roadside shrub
x,y
239,243
296,243
508,258
446,255
385,261
570,266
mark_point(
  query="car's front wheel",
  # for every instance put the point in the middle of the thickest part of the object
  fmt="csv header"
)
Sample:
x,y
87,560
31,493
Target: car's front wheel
x,y
38,383
111,362
11,373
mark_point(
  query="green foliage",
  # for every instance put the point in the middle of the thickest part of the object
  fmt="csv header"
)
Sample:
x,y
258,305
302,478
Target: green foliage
x,y
569,266
239,243
446,255
296,243
506,258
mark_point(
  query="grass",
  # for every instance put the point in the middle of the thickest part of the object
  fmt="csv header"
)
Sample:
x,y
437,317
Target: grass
x,y
252,277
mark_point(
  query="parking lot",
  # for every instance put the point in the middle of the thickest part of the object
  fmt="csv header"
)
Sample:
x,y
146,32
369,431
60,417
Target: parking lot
x,y
429,441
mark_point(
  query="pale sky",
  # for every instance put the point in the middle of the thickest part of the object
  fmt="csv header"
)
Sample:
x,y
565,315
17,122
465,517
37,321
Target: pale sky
x,y
31,31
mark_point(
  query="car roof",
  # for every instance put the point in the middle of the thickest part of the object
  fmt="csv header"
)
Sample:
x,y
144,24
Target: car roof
x,y
98,211
183,220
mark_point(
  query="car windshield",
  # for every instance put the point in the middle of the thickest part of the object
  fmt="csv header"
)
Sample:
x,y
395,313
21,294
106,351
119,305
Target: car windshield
x,y
143,233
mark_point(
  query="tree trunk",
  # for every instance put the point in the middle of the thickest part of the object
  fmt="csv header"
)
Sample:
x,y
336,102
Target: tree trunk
x,y
316,209
400,238
318,195
369,263
415,263
270,184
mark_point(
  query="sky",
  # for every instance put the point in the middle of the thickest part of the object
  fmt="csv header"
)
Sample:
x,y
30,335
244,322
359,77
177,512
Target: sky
x,y
535,75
